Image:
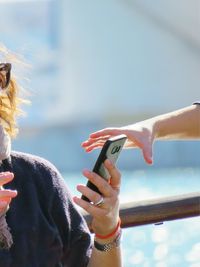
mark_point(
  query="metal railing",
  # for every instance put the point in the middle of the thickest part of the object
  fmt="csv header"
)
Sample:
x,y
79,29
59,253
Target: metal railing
x,y
157,211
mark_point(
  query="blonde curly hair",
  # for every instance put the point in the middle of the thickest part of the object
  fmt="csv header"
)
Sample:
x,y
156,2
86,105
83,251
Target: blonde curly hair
x,y
10,101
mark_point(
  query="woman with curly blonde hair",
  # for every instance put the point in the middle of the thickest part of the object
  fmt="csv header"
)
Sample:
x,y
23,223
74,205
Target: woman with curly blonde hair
x,y
9,92
40,225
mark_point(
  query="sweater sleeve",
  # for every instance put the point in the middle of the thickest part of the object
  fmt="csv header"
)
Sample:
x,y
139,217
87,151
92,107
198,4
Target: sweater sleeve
x,y
44,221
71,226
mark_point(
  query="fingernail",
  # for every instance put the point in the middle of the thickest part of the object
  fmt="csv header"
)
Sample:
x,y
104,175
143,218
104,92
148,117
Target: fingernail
x,y
78,187
5,173
86,172
74,199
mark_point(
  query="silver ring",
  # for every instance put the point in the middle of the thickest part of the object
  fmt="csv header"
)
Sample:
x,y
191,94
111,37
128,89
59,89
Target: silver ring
x,y
100,202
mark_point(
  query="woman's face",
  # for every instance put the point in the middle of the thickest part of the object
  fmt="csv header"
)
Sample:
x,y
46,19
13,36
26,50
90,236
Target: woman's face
x,y
5,69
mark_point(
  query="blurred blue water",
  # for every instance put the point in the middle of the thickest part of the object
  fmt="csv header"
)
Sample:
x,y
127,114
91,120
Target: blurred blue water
x,y
175,243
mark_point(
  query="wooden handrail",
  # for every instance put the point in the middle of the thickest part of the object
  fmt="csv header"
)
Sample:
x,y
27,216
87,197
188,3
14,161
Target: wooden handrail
x,y
158,210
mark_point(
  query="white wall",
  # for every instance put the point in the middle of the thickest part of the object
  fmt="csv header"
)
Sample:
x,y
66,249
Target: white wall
x,y
118,59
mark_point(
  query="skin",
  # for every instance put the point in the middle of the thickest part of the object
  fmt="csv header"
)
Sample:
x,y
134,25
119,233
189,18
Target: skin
x,y
105,218
177,125
6,195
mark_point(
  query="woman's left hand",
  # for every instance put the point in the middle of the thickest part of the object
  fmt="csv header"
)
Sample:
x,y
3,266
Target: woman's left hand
x,y
105,216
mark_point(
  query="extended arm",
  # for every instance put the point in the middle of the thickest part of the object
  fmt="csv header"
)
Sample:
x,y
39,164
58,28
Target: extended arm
x,y
180,124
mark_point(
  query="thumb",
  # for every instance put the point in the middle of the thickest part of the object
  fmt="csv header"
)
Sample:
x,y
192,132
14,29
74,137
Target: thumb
x,y
148,153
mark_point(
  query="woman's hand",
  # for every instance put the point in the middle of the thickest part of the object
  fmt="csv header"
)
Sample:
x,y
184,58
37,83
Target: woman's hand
x,y
139,135
106,216
6,195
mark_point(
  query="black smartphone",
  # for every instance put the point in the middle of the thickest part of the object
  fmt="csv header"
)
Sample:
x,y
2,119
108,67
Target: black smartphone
x,y
110,150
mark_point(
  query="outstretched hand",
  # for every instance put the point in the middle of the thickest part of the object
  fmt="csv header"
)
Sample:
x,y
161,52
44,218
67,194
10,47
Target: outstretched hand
x,y
137,136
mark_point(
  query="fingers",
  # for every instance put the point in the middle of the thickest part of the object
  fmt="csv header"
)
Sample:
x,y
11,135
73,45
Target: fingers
x,y
94,197
6,177
91,143
109,191
115,180
106,131
91,195
90,208
6,197
97,139
103,186
147,149
142,140
94,146
147,154
105,216
137,136
6,194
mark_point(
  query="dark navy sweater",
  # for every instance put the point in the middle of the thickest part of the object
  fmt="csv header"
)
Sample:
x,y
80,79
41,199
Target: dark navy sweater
x,y
47,229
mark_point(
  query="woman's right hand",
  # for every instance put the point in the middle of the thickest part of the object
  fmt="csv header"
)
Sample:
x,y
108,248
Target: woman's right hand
x,y
6,195
139,135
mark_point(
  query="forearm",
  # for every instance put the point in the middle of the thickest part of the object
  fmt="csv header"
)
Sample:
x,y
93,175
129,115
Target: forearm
x,y
180,124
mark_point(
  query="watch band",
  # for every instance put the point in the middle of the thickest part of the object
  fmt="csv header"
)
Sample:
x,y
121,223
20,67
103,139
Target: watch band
x,y
108,246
